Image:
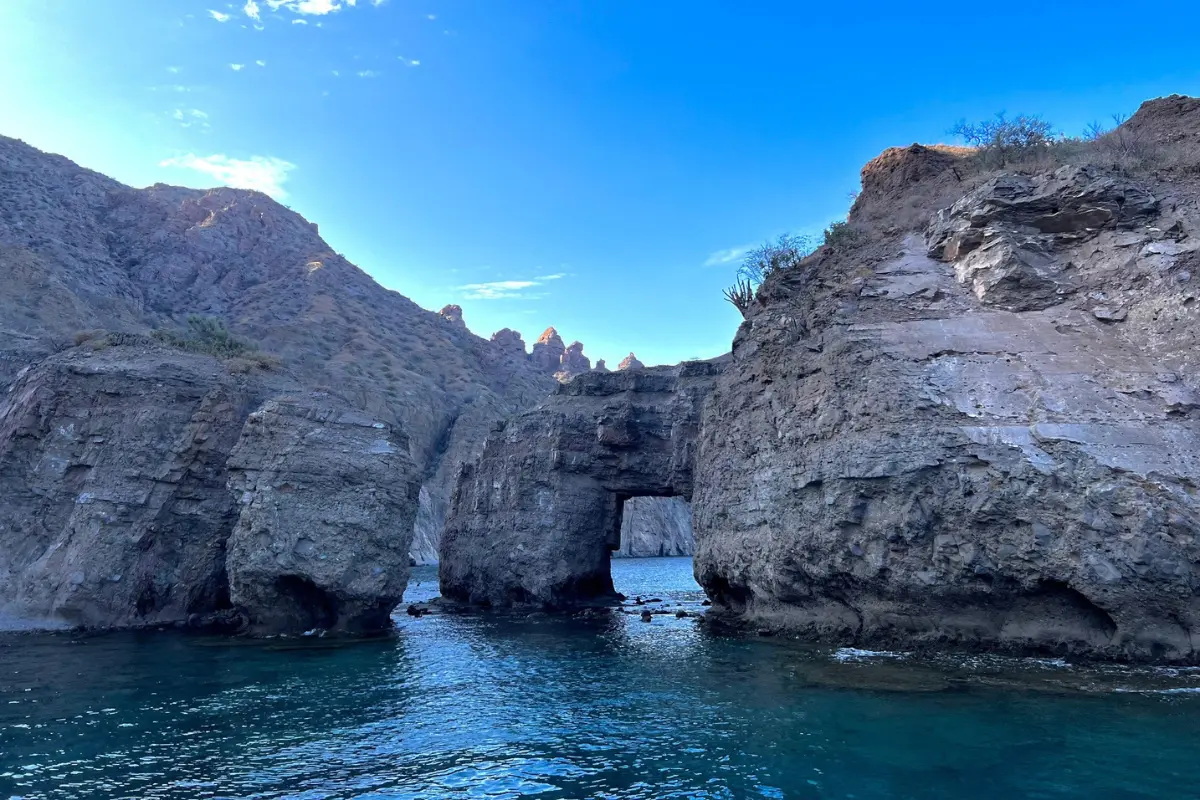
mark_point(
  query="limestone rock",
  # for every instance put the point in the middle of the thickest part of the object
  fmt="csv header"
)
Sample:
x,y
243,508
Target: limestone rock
x,y
535,520
630,362
112,470
327,499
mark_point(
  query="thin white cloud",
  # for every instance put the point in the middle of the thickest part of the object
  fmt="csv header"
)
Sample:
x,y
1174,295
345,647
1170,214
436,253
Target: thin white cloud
x,y
261,63
369,73
299,22
728,256
554,277
251,9
311,7
219,17
409,62
507,290
265,174
237,67
431,16
189,117
173,70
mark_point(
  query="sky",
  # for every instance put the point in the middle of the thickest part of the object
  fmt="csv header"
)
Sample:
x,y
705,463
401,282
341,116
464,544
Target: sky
x,y
595,165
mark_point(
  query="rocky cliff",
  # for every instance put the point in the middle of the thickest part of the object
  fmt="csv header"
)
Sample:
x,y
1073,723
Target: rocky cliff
x,y
656,526
79,251
145,486
535,520
969,418
975,423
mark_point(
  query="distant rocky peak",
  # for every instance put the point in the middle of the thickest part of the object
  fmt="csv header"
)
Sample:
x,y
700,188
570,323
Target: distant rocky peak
x,y
574,361
453,313
631,362
601,366
509,342
551,337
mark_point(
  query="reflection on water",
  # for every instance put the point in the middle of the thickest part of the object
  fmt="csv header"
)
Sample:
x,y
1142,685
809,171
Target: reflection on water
x,y
459,706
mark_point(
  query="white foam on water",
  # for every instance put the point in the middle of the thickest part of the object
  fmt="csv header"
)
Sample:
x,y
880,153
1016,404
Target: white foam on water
x,y
1176,690
845,654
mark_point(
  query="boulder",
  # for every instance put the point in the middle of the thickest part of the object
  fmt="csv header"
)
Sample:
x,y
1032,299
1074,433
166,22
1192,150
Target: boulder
x,y
112,470
327,497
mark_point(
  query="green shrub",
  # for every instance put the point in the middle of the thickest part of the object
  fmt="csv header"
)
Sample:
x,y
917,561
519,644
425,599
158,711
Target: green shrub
x,y
785,252
208,336
1002,141
841,234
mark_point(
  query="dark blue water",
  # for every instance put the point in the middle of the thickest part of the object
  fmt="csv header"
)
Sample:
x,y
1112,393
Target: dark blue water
x,y
611,707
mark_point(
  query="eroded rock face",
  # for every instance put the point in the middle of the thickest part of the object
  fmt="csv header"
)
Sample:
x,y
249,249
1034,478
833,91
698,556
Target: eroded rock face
x,y
997,448
509,342
112,473
574,361
548,351
630,362
452,314
655,527
327,498
535,520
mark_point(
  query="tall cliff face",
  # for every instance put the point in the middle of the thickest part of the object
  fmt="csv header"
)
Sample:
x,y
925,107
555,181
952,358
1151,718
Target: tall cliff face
x,y
656,526
143,486
80,251
978,423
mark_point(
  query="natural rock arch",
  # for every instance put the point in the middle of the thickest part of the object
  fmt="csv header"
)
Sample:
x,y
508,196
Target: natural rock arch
x,y
534,521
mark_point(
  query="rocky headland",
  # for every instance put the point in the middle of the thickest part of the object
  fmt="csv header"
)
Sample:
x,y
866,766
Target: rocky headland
x,y
968,419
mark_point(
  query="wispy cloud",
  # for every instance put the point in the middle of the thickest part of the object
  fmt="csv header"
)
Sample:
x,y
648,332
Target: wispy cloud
x,y
251,9
311,7
237,67
219,17
189,117
508,290
261,63
728,256
369,73
409,62
265,174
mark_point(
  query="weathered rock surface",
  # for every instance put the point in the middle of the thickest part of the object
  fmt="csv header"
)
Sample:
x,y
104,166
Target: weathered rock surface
x,y
630,362
574,361
535,520
548,350
995,447
656,526
79,251
112,474
327,498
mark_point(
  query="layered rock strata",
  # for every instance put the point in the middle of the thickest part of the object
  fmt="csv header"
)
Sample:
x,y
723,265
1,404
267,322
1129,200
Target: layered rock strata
x,y
987,437
534,522
327,498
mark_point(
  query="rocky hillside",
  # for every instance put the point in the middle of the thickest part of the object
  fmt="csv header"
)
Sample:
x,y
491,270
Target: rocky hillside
x,y
79,251
975,419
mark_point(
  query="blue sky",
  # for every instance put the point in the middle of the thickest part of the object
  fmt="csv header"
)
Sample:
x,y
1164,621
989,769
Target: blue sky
x,y
588,165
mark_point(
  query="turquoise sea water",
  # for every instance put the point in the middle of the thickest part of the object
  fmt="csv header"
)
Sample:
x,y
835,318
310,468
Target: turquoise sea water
x,y
456,706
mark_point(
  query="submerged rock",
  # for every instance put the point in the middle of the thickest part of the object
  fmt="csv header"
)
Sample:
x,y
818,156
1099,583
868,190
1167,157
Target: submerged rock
x,y
327,498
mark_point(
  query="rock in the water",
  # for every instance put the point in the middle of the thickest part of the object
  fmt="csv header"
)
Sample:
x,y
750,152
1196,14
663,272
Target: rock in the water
x,y
982,462
327,497
535,521
112,474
